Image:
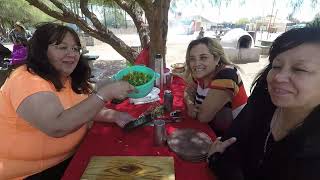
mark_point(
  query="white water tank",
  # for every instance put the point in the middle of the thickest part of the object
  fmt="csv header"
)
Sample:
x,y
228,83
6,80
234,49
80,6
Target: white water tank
x,y
237,38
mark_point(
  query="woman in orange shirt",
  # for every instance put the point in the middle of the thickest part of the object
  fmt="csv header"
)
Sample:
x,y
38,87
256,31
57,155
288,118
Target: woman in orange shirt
x,y
47,103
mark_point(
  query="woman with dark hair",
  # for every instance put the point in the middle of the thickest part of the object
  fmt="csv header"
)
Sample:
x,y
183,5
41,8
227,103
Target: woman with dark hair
x,y
216,94
47,104
276,135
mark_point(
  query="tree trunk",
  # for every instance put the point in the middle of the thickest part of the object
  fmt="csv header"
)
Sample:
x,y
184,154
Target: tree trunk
x,y
158,25
125,19
71,6
115,17
104,16
76,5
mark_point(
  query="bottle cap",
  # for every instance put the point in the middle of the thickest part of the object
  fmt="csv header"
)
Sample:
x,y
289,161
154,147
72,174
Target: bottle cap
x,y
167,91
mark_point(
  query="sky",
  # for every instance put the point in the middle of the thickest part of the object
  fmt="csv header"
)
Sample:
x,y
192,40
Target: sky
x,y
250,9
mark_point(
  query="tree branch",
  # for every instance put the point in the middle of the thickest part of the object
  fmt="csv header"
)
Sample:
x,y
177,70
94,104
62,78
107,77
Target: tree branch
x,y
93,18
74,18
147,6
100,32
43,7
136,15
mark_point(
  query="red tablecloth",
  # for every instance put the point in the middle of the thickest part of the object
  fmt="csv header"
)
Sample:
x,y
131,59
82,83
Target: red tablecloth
x,y
109,140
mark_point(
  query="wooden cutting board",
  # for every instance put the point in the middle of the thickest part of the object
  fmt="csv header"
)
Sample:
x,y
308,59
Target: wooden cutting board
x,y
129,168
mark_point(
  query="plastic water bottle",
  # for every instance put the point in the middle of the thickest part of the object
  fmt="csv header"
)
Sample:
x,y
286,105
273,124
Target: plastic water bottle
x,y
158,67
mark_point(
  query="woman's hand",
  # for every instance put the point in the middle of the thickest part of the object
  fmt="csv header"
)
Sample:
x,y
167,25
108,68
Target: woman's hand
x,y
123,118
219,146
193,110
113,116
116,90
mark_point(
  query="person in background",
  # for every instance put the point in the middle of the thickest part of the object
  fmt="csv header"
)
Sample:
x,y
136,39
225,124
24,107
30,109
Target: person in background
x,y
4,53
201,33
216,94
276,135
19,31
18,37
47,103
143,57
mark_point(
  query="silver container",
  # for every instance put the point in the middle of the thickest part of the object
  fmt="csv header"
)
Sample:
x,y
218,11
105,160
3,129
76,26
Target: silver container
x,y
168,79
159,132
158,67
168,100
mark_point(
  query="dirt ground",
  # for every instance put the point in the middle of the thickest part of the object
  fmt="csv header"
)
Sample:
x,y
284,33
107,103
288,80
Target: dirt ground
x,y
110,62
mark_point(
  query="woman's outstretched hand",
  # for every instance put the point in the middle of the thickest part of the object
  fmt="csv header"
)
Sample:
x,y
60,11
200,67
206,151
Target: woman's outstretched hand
x,y
220,146
123,118
116,90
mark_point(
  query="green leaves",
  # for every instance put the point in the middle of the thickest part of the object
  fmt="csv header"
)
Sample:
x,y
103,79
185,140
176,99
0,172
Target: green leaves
x,y
20,10
136,78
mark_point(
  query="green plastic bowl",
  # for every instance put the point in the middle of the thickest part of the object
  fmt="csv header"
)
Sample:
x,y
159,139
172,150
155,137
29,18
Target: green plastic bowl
x,y
144,89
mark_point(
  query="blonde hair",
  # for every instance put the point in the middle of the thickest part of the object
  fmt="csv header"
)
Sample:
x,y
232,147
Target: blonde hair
x,y
215,49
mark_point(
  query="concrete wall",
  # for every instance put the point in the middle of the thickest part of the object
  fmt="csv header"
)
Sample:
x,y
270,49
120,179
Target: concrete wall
x,y
243,55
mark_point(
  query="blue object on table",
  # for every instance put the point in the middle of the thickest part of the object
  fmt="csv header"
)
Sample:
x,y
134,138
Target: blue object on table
x,y
144,89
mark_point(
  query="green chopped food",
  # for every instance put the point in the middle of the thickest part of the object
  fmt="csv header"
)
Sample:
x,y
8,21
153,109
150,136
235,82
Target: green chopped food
x,y
136,78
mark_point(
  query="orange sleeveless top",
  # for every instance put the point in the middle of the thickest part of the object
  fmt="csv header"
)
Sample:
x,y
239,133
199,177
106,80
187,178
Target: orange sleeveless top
x,y
25,150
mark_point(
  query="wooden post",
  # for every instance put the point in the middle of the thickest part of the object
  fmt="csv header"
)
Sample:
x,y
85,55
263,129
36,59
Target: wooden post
x,y
274,2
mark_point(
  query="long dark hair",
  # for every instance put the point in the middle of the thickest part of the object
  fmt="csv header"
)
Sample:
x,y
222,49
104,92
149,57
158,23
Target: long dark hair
x,y
284,42
38,63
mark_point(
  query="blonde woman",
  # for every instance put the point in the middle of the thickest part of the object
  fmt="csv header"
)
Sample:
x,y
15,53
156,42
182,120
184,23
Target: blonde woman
x,y
216,94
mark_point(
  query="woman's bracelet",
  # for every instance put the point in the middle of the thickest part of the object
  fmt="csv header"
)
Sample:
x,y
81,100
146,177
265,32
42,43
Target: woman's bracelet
x,y
99,96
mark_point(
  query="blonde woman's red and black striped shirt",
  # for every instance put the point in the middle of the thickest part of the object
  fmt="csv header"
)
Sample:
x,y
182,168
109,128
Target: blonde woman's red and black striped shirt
x,y
226,79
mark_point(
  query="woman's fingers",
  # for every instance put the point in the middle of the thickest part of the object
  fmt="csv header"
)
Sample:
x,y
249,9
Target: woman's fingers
x,y
123,118
196,108
122,88
132,89
227,143
219,146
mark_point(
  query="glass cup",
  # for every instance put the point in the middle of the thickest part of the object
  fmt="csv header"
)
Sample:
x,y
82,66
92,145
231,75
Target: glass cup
x,y
159,132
